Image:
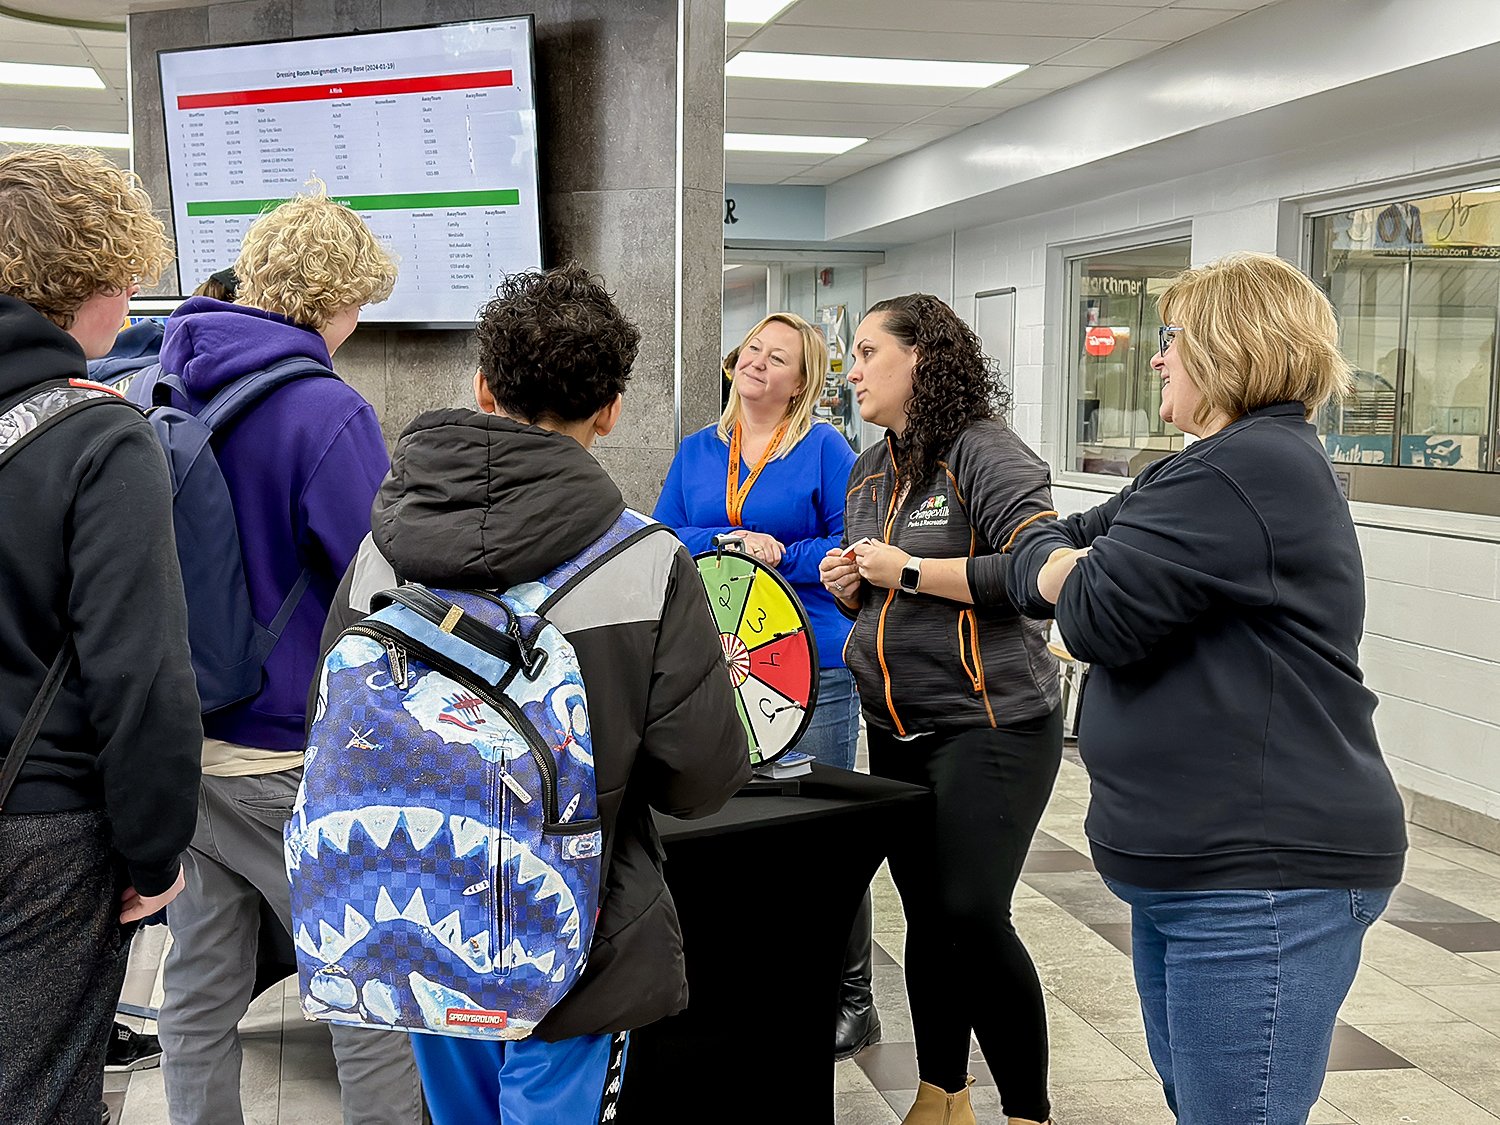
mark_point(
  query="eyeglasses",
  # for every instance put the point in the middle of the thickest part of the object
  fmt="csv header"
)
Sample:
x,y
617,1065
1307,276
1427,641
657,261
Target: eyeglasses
x,y
1166,334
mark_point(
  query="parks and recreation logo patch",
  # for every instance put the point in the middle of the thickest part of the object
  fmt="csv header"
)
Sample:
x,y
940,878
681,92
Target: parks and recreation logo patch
x,y
932,513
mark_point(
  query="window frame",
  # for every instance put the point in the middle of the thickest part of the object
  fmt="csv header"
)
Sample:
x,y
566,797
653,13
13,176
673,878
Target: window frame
x,y
1055,363
1374,490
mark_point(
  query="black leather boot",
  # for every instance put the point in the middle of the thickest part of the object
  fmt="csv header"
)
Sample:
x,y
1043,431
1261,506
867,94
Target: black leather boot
x,y
858,1023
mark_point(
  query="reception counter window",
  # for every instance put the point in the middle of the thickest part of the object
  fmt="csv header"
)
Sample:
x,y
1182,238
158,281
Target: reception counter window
x,y
1416,284
1114,429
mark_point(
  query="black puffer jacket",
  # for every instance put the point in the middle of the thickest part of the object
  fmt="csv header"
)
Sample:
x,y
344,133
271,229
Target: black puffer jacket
x,y
481,502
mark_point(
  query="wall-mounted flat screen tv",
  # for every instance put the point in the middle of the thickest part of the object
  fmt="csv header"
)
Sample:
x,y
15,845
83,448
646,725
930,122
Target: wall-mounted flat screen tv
x,y
428,133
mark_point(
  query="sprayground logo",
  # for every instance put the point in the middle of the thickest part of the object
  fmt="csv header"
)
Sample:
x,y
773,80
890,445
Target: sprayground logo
x,y
475,1017
932,513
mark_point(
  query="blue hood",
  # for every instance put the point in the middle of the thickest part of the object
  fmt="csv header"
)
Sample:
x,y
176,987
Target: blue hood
x,y
135,348
209,343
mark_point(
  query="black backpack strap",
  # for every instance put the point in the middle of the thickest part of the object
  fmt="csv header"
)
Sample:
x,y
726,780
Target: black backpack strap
x,y
32,723
452,619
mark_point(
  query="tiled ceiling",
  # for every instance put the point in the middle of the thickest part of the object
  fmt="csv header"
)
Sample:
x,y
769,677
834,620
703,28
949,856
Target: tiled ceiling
x,y
36,107
1063,41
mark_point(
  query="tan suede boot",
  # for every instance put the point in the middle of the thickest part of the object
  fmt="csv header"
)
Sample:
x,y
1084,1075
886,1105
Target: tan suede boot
x,y
935,1106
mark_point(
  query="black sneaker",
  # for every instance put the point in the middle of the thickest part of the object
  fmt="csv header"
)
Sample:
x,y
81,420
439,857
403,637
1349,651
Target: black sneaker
x,y
130,1050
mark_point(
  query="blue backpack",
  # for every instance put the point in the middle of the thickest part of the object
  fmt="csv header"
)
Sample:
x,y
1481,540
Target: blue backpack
x,y
444,849
229,647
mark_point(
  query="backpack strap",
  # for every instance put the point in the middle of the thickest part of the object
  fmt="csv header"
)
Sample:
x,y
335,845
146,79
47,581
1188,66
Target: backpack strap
x,y
271,633
153,387
21,423
31,725
234,398
628,529
142,390
25,419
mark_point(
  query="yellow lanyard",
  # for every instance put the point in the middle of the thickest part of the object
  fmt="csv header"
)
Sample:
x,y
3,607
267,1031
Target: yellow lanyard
x,y
734,492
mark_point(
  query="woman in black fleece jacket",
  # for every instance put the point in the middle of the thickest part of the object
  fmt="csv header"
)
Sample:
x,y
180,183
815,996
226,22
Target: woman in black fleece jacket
x,y
1240,801
958,691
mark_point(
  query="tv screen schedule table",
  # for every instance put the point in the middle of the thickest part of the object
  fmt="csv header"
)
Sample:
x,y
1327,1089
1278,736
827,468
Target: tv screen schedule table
x,y
428,134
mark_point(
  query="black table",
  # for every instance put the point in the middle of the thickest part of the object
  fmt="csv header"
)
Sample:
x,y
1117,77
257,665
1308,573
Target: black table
x,y
766,889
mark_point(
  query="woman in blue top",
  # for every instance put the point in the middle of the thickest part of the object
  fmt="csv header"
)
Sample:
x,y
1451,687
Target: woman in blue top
x,y
768,473
786,498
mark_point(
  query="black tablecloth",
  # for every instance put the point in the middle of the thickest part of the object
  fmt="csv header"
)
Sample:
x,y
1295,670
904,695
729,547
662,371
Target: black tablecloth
x,y
766,889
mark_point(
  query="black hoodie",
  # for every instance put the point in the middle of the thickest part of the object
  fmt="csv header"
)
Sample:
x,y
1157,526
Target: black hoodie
x,y
86,549
481,502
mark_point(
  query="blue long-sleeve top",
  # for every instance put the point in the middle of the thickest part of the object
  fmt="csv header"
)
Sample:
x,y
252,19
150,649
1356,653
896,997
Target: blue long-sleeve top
x,y
798,498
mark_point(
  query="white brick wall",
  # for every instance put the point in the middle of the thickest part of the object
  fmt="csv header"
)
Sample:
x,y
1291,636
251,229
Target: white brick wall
x,y
1432,649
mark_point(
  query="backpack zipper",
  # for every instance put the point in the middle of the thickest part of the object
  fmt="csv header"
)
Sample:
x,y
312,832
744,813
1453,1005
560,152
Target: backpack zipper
x,y
465,679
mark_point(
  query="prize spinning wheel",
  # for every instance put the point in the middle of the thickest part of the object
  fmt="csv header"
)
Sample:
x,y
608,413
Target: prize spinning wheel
x,y
772,657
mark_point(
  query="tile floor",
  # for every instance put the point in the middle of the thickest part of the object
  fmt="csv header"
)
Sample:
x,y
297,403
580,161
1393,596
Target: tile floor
x,y
1418,1040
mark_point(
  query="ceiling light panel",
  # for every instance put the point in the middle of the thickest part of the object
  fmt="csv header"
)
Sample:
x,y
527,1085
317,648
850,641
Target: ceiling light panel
x,y
46,74
786,142
869,71
754,11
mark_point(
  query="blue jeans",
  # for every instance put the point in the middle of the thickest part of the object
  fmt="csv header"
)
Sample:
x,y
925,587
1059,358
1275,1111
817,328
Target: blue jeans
x,y
1240,991
833,734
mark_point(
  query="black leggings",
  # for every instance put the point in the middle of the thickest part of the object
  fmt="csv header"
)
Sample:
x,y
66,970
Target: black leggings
x,y
956,870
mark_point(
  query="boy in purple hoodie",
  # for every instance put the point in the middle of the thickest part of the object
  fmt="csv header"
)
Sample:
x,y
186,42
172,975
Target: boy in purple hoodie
x,y
302,466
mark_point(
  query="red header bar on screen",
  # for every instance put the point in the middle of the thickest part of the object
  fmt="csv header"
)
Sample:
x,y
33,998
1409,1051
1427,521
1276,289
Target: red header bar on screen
x,y
338,90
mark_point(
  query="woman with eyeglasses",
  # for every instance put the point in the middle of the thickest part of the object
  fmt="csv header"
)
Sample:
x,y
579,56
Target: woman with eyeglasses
x,y
959,692
1240,803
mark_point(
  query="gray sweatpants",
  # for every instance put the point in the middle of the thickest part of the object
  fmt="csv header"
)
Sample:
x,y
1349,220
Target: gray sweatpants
x,y
235,859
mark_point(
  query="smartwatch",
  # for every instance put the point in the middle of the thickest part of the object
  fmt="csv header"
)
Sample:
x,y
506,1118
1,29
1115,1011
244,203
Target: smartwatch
x,y
911,575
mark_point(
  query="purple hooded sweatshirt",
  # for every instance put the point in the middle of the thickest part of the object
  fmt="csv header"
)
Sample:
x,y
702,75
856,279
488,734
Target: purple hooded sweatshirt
x,y
302,466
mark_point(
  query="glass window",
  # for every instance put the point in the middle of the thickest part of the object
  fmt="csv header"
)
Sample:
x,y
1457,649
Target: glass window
x,y
1115,428
1416,285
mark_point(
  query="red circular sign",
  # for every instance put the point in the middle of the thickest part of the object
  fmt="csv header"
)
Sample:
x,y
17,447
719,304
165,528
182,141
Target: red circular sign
x,y
1099,341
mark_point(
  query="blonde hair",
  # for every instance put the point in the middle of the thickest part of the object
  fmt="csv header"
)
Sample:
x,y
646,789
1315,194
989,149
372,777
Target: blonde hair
x,y
1255,330
72,224
309,258
799,411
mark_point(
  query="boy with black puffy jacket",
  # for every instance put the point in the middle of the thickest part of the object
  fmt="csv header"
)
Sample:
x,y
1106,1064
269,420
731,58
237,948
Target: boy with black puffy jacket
x,y
492,498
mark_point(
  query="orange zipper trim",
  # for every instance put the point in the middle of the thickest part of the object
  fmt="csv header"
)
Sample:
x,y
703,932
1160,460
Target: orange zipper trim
x,y
890,523
1022,526
979,685
885,671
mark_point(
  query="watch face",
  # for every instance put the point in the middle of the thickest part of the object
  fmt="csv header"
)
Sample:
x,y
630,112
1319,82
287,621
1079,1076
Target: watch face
x,y
910,576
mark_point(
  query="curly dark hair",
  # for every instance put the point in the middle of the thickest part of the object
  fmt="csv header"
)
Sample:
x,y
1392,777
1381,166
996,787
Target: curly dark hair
x,y
954,385
552,345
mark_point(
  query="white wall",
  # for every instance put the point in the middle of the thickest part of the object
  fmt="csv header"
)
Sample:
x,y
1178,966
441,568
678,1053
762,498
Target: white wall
x,y
1432,647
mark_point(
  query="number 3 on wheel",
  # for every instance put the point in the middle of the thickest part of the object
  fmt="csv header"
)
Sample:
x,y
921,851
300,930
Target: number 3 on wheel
x,y
768,646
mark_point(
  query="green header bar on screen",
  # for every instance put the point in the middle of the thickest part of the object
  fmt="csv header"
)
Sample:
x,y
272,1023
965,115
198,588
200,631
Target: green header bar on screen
x,y
405,201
